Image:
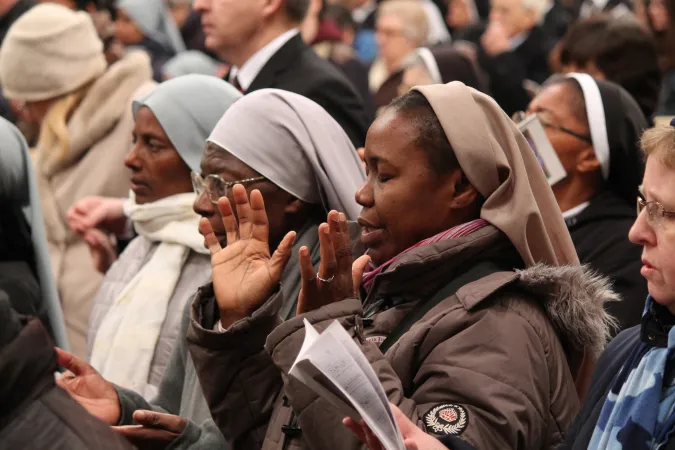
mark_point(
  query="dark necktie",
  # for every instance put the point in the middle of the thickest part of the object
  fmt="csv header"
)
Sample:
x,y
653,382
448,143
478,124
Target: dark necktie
x,y
235,83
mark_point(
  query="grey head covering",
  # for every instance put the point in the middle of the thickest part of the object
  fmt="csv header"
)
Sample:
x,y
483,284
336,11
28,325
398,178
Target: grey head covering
x,y
295,144
18,185
188,108
189,62
156,22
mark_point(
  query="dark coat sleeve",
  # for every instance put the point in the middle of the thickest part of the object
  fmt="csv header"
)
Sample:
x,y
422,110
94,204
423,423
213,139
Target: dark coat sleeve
x,y
240,381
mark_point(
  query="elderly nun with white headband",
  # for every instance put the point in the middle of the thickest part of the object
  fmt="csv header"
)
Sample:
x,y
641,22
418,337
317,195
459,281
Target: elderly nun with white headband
x,y
595,126
136,314
293,151
149,24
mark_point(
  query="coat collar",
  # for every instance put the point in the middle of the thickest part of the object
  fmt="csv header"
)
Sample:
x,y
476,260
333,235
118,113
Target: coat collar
x,y
284,58
250,70
424,270
572,297
657,322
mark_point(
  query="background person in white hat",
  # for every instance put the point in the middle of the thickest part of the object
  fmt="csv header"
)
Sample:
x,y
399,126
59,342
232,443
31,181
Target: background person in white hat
x,y
53,62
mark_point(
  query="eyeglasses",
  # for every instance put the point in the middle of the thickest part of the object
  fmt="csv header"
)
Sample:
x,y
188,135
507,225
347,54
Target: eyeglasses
x,y
656,213
215,186
520,116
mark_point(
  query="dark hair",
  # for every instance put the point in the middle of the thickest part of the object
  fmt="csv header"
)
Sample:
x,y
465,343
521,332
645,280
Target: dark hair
x,y
579,45
576,100
665,39
431,138
341,15
296,10
624,52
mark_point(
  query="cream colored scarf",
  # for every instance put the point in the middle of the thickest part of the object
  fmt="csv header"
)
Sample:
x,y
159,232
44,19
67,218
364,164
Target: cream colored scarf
x,y
125,342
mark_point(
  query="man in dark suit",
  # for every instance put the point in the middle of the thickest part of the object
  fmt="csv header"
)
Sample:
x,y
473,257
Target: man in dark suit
x,y
262,42
514,48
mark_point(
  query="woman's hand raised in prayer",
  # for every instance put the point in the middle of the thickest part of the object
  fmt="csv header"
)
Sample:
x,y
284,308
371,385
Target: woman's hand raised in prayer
x,y
339,275
244,273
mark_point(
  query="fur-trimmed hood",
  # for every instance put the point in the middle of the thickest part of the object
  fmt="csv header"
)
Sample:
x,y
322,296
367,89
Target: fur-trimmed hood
x,y
572,296
574,302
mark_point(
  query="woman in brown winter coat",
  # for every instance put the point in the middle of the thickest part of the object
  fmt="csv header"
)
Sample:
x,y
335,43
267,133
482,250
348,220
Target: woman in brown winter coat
x,y
462,233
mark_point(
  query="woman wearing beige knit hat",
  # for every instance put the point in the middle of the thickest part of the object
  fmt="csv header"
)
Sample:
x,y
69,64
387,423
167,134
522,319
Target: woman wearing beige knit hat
x,y
53,62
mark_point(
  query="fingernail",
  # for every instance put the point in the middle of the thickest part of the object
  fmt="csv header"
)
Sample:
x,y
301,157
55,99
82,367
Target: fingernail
x,y
304,251
343,218
140,415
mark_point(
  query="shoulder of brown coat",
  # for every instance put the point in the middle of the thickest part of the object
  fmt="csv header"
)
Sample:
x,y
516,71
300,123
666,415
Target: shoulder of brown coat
x,y
572,297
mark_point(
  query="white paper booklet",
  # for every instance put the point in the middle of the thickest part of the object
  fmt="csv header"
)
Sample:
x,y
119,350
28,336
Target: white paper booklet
x,y
333,366
548,159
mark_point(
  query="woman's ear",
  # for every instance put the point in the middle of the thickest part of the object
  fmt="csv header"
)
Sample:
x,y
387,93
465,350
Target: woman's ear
x,y
465,194
293,206
587,161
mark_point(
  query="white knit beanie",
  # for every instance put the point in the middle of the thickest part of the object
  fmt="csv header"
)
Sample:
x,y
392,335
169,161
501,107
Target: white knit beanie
x,y
50,51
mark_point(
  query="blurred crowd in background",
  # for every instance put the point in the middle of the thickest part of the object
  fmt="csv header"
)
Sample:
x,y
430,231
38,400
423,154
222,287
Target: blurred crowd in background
x,y
126,123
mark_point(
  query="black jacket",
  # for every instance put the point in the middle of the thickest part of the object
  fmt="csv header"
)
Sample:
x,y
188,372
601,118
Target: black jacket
x,y
508,71
608,366
557,21
600,236
34,412
297,68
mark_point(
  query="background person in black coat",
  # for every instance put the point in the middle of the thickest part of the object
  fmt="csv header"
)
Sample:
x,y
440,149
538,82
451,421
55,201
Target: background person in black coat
x,y
514,48
604,168
263,43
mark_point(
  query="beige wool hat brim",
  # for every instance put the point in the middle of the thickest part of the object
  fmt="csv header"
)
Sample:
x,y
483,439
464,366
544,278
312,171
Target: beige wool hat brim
x,y
50,51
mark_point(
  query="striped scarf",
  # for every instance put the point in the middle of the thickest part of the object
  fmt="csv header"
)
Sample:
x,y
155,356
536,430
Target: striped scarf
x,y
453,233
638,411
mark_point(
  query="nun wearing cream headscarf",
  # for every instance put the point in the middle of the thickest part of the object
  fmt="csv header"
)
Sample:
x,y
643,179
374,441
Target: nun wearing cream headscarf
x,y
136,314
24,254
473,312
149,24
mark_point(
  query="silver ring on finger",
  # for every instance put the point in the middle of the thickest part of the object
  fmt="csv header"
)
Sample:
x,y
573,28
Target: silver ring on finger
x,y
325,281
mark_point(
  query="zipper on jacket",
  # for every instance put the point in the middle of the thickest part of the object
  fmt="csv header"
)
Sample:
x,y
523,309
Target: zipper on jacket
x,y
290,430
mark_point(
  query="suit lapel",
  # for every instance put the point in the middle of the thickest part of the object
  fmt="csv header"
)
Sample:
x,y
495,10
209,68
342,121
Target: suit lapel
x,y
281,61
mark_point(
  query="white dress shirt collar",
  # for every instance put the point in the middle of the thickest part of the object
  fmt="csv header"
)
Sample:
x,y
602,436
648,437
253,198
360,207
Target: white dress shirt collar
x,y
517,40
251,68
570,213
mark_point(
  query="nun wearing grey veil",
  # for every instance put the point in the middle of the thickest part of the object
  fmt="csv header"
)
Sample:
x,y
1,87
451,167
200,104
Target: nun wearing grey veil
x,y
24,254
296,145
162,38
